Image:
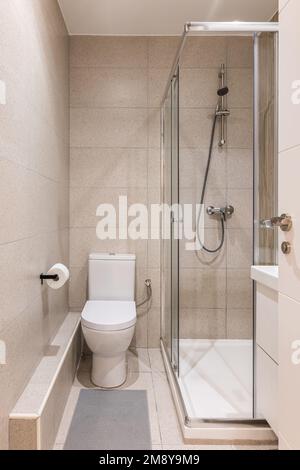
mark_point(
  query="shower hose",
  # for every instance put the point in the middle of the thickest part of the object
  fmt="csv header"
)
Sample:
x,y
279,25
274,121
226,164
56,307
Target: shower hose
x,y
203,196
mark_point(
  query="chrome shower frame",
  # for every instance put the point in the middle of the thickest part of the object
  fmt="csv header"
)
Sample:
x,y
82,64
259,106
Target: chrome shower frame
x,y
234,28
209,29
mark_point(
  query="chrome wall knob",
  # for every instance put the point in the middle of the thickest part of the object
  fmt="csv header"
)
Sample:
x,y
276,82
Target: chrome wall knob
x,y
286,248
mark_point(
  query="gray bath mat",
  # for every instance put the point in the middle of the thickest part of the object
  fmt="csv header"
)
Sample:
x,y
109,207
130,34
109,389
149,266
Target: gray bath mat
x,y
110,420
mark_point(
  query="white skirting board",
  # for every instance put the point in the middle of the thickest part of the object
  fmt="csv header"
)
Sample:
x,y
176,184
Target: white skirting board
x,y
216,433
34,421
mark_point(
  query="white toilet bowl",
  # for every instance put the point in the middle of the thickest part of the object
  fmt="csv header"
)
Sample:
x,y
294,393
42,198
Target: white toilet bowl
x,y
108,328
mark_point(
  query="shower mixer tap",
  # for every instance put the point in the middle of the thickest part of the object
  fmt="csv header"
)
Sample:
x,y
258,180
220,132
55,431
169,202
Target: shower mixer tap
x,y
226,211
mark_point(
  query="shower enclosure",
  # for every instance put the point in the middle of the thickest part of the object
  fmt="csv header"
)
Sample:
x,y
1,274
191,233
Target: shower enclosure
x,y
219,144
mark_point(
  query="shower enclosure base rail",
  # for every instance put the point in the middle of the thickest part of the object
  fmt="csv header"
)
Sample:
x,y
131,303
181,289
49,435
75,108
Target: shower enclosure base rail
x,y
213,431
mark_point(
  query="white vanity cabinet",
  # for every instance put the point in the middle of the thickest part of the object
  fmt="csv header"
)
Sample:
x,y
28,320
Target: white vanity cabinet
x,y
266,350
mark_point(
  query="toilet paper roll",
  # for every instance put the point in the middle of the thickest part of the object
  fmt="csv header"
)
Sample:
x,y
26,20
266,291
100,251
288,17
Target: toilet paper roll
x,y
63,274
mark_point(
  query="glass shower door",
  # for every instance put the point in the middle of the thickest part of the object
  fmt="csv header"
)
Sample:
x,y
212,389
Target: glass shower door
x,y
216,306
175,222
209,335
166,246
170,242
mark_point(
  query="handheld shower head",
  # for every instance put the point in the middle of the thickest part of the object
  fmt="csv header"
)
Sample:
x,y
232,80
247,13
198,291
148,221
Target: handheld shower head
x,y
223,91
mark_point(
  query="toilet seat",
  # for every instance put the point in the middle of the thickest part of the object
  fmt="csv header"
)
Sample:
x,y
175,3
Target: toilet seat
x,y
107,315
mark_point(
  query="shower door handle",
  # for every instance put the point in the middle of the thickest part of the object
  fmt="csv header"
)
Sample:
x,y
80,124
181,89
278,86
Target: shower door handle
x,y
284,222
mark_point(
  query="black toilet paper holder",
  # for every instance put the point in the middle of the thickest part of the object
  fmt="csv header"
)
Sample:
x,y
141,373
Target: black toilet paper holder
x,y
53,277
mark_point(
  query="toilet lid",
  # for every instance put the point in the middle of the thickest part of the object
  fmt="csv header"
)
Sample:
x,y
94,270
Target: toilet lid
x,y
104,315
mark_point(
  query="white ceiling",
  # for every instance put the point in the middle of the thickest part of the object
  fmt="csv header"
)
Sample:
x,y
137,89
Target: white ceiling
x,y
156,17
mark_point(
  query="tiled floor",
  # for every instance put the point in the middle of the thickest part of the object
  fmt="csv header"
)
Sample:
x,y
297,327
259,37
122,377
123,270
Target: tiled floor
x,y
146,372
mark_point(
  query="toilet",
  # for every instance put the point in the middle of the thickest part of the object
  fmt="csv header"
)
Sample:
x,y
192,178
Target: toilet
x,y
109,316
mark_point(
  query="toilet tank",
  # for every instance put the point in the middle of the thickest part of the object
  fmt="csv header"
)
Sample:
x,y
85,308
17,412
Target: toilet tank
x,y
111,276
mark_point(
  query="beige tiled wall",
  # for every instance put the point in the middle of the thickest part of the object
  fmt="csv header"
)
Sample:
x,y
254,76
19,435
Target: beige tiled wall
x,y
116,87
216,291
34,168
